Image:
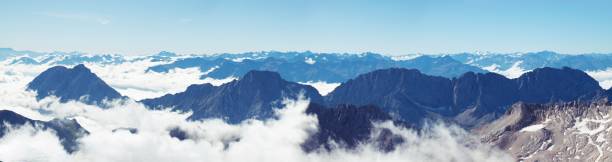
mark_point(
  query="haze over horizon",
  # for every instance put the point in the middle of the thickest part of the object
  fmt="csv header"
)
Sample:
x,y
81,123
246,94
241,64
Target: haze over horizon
x,y
316,52
391,28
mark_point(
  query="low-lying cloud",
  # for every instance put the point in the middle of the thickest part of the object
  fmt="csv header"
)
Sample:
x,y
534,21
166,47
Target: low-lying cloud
x,y
133,80
604,77
277,139
257,140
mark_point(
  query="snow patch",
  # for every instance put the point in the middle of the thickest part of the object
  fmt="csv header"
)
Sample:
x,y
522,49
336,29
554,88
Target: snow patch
x,y
218,82
310,61
533,128
405,57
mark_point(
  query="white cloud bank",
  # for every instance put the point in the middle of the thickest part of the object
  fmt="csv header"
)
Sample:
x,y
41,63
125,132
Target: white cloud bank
x,y
259,140
131,79
604,77
514,71
323,87
269,140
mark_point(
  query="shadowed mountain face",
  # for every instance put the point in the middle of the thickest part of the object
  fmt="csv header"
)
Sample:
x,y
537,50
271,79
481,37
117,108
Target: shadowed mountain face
x,y
349,125
549,85
68,131
253,96
402,92
72,84
345,125
470,99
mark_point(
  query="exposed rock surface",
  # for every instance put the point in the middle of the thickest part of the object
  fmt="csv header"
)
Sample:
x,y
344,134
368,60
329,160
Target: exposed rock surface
x,y
575,131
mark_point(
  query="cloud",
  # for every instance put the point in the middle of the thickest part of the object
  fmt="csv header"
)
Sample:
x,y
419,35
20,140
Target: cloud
x,y
259,140
514,71
276,139
323,87
132,79
603,76
28,144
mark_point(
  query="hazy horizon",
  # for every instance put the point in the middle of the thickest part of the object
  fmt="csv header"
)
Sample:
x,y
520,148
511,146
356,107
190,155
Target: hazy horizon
x,y
316,52
390,27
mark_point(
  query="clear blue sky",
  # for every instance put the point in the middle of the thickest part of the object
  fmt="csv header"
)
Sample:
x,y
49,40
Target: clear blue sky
x,y
388,27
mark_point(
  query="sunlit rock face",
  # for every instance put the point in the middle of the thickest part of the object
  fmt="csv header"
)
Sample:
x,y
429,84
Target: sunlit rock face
x,y
575,131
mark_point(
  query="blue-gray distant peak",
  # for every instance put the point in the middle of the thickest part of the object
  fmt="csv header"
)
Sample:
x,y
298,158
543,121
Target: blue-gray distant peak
x,y
308,66
72,84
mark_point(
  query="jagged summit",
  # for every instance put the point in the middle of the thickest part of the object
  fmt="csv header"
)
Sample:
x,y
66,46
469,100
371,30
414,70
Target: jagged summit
x,y
470,99
253,96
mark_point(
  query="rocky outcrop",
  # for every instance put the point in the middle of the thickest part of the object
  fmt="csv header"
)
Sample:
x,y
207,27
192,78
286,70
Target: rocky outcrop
x,y
573,131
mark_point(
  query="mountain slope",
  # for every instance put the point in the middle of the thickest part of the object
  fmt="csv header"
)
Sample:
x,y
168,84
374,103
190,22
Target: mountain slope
x,y
405,93
349,125
252,96
573,131
72,84
470,99
68,131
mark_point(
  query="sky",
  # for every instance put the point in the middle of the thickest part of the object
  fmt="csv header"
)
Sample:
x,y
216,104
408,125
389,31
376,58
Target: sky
x,y
389,27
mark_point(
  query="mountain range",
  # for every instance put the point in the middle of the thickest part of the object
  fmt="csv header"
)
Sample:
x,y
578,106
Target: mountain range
x,y
328,67
528,116
406,94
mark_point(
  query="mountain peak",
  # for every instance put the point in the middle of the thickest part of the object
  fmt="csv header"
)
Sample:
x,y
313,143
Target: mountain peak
x,y
255,95
563,84
77,83
255,75
81,68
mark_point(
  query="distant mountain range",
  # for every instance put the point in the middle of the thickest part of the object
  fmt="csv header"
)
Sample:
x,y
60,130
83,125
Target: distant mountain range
x,y
533,60
307,66
406,94
548,112
328,67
